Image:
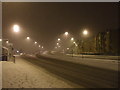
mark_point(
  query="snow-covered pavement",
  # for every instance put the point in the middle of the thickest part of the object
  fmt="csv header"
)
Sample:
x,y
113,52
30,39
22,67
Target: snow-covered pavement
x,y
24,74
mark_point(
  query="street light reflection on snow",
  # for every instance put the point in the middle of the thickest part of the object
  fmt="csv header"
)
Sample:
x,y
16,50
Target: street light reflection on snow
x,y
16,28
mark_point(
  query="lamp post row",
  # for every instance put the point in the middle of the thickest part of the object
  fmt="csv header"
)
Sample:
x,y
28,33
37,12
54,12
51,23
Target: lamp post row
x,y
16,29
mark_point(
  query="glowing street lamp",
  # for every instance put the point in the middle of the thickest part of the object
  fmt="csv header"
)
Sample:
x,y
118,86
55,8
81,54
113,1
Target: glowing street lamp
x,y
66,33
42,47
72,39
16,28
76,45
85,32
7,41
0,40
35,42
58,39
28,38
39,45
17,51
74,42
57,43
67,48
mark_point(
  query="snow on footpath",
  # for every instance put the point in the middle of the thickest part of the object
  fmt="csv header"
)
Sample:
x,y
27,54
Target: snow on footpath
x,y
100,63
23,74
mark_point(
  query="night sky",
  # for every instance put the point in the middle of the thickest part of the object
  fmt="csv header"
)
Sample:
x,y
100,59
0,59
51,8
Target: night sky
x,y
44,22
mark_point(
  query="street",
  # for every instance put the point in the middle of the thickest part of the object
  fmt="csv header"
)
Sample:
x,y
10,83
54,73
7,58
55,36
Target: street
x,y
59,45
72,74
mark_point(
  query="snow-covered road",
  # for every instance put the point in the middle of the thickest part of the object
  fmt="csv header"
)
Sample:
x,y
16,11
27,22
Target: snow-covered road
x,y
30,71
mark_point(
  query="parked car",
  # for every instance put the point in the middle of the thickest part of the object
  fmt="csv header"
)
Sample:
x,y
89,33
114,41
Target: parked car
x,y
5,54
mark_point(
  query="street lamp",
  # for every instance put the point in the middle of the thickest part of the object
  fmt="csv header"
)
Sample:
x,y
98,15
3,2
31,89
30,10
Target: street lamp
x,y
35,42
57,43
66,33
67,48
72,39
0,40
16,28
7,41
28,38
58,39
74,42
42,47
17,51
39,45
85,32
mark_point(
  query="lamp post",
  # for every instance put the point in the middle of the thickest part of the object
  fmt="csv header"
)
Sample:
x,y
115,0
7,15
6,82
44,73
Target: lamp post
x,y
85,33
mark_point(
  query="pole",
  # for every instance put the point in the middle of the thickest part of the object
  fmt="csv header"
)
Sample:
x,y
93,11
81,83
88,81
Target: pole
x,y
82,48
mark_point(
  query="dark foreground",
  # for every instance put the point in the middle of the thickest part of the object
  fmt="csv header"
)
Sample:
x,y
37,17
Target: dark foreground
x,y
83,75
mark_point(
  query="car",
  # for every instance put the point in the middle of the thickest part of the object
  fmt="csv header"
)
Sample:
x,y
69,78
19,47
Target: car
x,y
5,54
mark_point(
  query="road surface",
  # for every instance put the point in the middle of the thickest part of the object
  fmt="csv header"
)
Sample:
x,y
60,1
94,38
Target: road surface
x,y
83,75
73,74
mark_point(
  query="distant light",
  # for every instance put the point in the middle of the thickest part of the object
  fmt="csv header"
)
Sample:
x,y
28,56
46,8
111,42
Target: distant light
x,y
67,48
42,47
58,39
66,33
57,43
28,38
72,39
7,41
17,51
74,42
56,47
35,42
85,32
39,45
21,53
0,40
16,28
76,45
